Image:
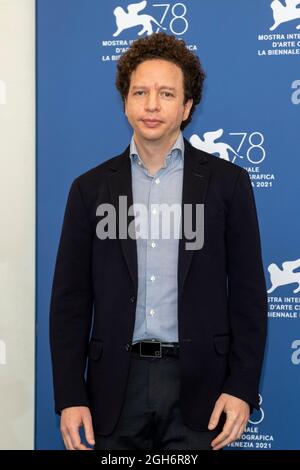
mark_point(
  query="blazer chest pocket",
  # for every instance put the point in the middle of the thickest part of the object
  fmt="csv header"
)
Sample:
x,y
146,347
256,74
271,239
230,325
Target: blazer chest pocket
x,y
95,349
222,344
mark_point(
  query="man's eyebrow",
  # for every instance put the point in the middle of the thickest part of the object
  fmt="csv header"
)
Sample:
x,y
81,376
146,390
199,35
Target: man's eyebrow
x,y
163,87
167,88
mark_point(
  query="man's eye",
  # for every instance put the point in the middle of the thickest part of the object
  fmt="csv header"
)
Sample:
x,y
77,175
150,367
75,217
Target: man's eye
x,y
167,94
139,92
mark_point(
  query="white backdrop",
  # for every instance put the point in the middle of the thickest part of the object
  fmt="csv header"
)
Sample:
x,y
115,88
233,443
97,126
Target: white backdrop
x,y
17,229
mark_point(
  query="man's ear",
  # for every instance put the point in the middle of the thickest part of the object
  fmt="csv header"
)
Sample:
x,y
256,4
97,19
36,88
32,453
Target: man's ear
x,y
187,108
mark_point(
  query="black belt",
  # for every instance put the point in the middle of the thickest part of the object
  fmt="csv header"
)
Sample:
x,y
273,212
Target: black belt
x,y
153,348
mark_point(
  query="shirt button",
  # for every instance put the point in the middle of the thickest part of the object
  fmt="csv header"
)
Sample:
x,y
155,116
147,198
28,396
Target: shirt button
x,y
139,163
152,312
157,181
153,244
154,211
152,278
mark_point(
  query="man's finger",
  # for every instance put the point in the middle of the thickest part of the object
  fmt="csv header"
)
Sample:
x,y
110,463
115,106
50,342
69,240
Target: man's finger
x,y
215,416
88,430
227,430
232,437
242,429
67,441
82,447
75,442
75,437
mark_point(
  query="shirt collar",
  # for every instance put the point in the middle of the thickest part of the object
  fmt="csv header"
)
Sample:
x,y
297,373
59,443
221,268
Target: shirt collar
x,y
176,150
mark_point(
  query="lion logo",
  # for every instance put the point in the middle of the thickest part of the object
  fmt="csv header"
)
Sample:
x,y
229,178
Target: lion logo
x,y
286,275
283,13
131,18
209,144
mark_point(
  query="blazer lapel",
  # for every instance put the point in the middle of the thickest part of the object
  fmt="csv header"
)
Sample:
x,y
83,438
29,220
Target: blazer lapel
x,y
120,184
195,182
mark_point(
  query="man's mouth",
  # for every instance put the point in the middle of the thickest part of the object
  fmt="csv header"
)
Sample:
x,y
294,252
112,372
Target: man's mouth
x,y
151,122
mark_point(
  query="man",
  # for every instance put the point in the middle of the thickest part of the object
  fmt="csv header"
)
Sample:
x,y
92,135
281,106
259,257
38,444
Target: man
x,y
174,332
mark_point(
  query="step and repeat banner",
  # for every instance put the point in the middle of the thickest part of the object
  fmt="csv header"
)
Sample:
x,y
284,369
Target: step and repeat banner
x,y
17,223
250,115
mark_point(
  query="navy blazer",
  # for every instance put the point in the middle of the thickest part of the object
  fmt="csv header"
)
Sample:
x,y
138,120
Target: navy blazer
x,y
222,300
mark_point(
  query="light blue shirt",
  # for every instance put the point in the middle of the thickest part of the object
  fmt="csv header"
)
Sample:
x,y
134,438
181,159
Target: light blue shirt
x,y
156,310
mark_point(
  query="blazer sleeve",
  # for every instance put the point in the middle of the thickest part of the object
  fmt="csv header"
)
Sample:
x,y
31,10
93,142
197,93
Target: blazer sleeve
x,y
247,295
71,304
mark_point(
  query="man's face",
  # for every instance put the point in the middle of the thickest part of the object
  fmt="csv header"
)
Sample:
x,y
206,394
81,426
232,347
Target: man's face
x,y
154,105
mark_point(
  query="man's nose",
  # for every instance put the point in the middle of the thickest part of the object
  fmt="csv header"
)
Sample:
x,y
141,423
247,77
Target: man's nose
x,y
152,102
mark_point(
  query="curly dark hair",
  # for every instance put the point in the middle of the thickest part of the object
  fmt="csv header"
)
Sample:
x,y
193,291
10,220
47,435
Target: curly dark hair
x,y
166,47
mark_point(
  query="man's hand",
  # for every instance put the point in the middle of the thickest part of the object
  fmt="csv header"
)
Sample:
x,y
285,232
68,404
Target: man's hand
x,y
237,414
72,419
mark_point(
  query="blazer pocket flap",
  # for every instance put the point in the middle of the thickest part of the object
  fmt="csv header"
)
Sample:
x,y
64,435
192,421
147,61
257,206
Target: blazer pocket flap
x,y
222,344
95,349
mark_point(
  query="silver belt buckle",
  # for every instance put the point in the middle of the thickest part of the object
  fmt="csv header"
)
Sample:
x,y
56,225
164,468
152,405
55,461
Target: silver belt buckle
x,y
153,347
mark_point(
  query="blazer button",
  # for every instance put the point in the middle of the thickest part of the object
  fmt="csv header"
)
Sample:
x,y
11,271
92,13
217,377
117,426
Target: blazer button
x,y
132,299
127,347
